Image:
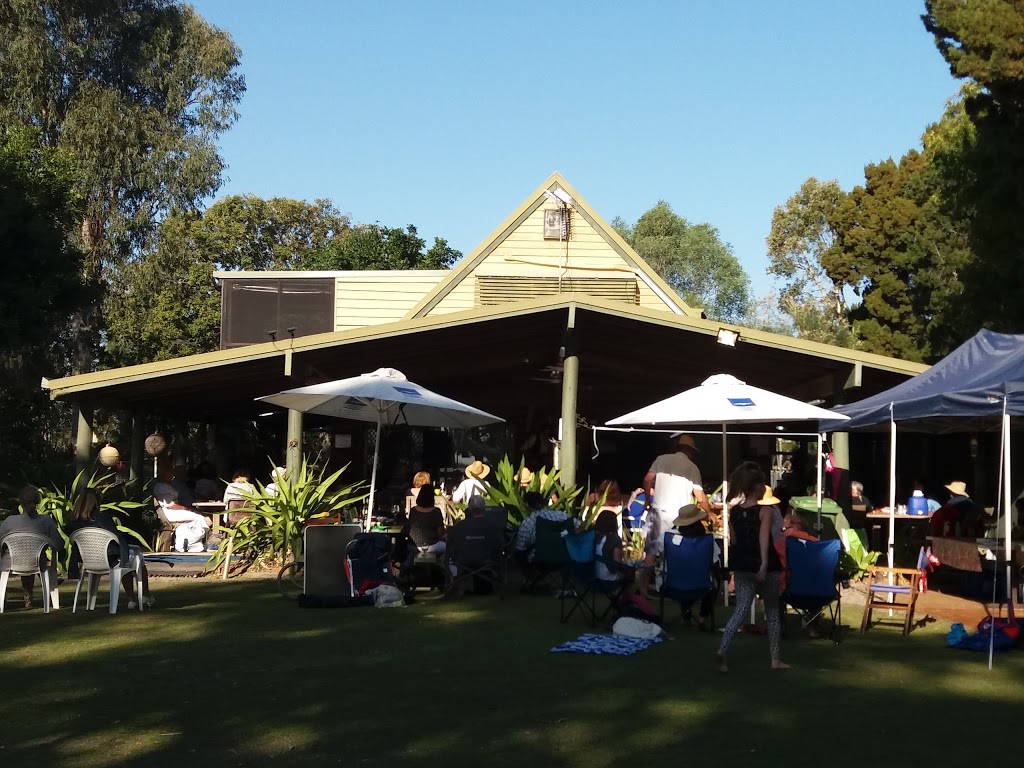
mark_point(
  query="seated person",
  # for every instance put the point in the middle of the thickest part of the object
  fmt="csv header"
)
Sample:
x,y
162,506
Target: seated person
x,y
608,493
793,527
958,516
238,490
277,476
426,523
608,548
190,528
87,514
30,521
418,481
174,477
694,521
526,537
857,496
475,540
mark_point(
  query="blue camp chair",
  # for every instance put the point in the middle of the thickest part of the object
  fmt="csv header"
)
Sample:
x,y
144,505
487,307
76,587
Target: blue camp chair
x,y
580,584
632,513
688,572
812,579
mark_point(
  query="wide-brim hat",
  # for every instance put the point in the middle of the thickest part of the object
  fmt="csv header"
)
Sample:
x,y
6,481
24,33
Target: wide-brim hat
x,y
524,476
686,441
957,488
478,470
689,515
769,499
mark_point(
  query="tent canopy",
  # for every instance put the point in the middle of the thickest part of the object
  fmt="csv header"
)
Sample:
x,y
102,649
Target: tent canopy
x,y
962,392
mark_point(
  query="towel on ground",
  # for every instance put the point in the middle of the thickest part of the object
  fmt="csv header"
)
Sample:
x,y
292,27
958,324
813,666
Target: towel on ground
x,y
607,645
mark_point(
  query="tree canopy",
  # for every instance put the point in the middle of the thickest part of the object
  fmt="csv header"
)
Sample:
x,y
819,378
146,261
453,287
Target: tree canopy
x,y
692,259
372,246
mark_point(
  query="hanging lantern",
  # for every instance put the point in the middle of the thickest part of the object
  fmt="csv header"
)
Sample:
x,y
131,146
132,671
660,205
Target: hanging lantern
x,y
155,444
109,456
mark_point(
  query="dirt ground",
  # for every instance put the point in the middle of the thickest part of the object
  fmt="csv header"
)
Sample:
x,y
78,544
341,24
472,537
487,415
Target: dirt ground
x,y
932,606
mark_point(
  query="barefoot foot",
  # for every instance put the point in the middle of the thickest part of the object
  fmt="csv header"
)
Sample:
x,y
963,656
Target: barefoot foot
x,y
720,664
779,665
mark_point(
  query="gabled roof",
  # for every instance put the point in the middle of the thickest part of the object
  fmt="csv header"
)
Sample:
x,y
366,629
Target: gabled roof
x,y
470,262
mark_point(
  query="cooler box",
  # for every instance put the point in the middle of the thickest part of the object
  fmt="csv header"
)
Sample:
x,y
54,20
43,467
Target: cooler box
x,y
807,508
917,505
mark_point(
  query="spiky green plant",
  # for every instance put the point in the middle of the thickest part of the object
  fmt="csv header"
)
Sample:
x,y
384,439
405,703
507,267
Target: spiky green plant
x,y
274,528
59,503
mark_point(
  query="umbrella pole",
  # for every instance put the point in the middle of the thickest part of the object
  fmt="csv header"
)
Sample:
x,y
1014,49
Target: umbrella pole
x,y
373,475
725,509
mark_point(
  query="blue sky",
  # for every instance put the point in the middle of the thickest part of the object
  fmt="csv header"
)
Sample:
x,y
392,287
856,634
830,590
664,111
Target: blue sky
x,y
447,115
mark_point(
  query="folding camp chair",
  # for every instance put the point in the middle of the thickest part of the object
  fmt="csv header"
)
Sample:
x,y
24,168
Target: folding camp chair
x,y
812,577
580,583
549,554
905,584
473,557
633,513
688,572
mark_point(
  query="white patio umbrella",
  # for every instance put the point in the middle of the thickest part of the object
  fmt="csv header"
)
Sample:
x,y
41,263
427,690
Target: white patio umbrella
x,y
385,397
724,399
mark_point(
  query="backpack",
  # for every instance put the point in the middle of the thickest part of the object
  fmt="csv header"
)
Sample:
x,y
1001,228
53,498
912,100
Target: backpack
x,y
368,562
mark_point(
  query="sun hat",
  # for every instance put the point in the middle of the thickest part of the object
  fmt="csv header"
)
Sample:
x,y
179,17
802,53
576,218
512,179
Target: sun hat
x,y
478,470
769,499
957,488
689,515
686,441
278,474
525,476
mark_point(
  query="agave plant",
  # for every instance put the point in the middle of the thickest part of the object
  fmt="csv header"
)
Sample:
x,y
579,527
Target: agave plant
x,y
59,503
274,527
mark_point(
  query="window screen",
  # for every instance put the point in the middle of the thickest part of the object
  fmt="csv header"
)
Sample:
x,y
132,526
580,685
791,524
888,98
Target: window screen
x,y
252,307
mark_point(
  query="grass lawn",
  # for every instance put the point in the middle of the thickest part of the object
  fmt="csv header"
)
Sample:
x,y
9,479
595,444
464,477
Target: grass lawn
x,y
231,674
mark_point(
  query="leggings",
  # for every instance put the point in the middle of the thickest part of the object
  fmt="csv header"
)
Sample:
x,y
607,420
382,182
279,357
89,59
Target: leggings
x,y
748,587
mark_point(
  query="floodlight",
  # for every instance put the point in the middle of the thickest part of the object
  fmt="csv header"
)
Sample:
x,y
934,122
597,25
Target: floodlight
x,y
728,337
563,196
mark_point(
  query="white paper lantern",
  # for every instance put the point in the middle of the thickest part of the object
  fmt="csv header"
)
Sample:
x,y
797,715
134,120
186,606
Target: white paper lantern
x,y
109,456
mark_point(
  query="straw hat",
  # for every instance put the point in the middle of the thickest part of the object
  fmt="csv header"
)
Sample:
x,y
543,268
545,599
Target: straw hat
x,y
478,470
686,441
769,499
525,476
957,488
689,515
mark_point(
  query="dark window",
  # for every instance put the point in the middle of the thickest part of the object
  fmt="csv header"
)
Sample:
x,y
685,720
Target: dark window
x,y
252,307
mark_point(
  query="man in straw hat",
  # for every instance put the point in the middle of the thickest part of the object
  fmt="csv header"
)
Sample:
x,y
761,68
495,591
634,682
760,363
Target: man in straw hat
x,y
673,481
958,516
474,484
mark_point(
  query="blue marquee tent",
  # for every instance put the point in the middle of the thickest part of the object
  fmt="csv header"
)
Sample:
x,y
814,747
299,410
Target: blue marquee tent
x,y
965,391
977,386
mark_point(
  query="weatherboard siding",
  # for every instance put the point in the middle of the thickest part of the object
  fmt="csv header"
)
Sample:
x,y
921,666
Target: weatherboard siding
x,y
377,298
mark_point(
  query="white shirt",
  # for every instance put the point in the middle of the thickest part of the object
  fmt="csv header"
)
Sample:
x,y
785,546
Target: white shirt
x,y
469,488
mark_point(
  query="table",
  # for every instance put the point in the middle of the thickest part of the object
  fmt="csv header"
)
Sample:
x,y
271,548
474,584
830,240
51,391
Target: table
x,y
877,546
212,508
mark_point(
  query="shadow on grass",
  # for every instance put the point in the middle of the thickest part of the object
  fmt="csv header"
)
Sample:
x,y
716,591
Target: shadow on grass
x,y
231,674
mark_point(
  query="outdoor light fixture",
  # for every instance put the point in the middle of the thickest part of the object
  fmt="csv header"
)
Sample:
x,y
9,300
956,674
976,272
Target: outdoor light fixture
x,y
728,337
272,334
291,331
558,196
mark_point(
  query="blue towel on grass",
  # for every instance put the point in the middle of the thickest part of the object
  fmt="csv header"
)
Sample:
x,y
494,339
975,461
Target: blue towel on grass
x,y
607,645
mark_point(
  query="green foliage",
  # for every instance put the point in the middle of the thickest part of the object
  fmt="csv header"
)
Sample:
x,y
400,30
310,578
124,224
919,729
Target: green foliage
x,y
136,92
168,304
981,157
59,503
276,523
505,490
692,259
372,246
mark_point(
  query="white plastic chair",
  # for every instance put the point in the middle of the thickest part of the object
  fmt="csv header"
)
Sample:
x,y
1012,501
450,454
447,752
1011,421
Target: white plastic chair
x,y
26,551
92,547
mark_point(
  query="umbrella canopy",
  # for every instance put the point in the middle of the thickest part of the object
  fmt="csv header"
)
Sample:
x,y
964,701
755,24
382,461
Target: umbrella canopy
x,y
724,399
385,397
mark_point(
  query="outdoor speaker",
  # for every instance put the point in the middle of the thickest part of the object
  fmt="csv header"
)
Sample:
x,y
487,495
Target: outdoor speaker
x,y
324,567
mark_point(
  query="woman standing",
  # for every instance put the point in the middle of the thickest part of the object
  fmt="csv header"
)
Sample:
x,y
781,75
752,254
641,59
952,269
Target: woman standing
x,y
755,562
